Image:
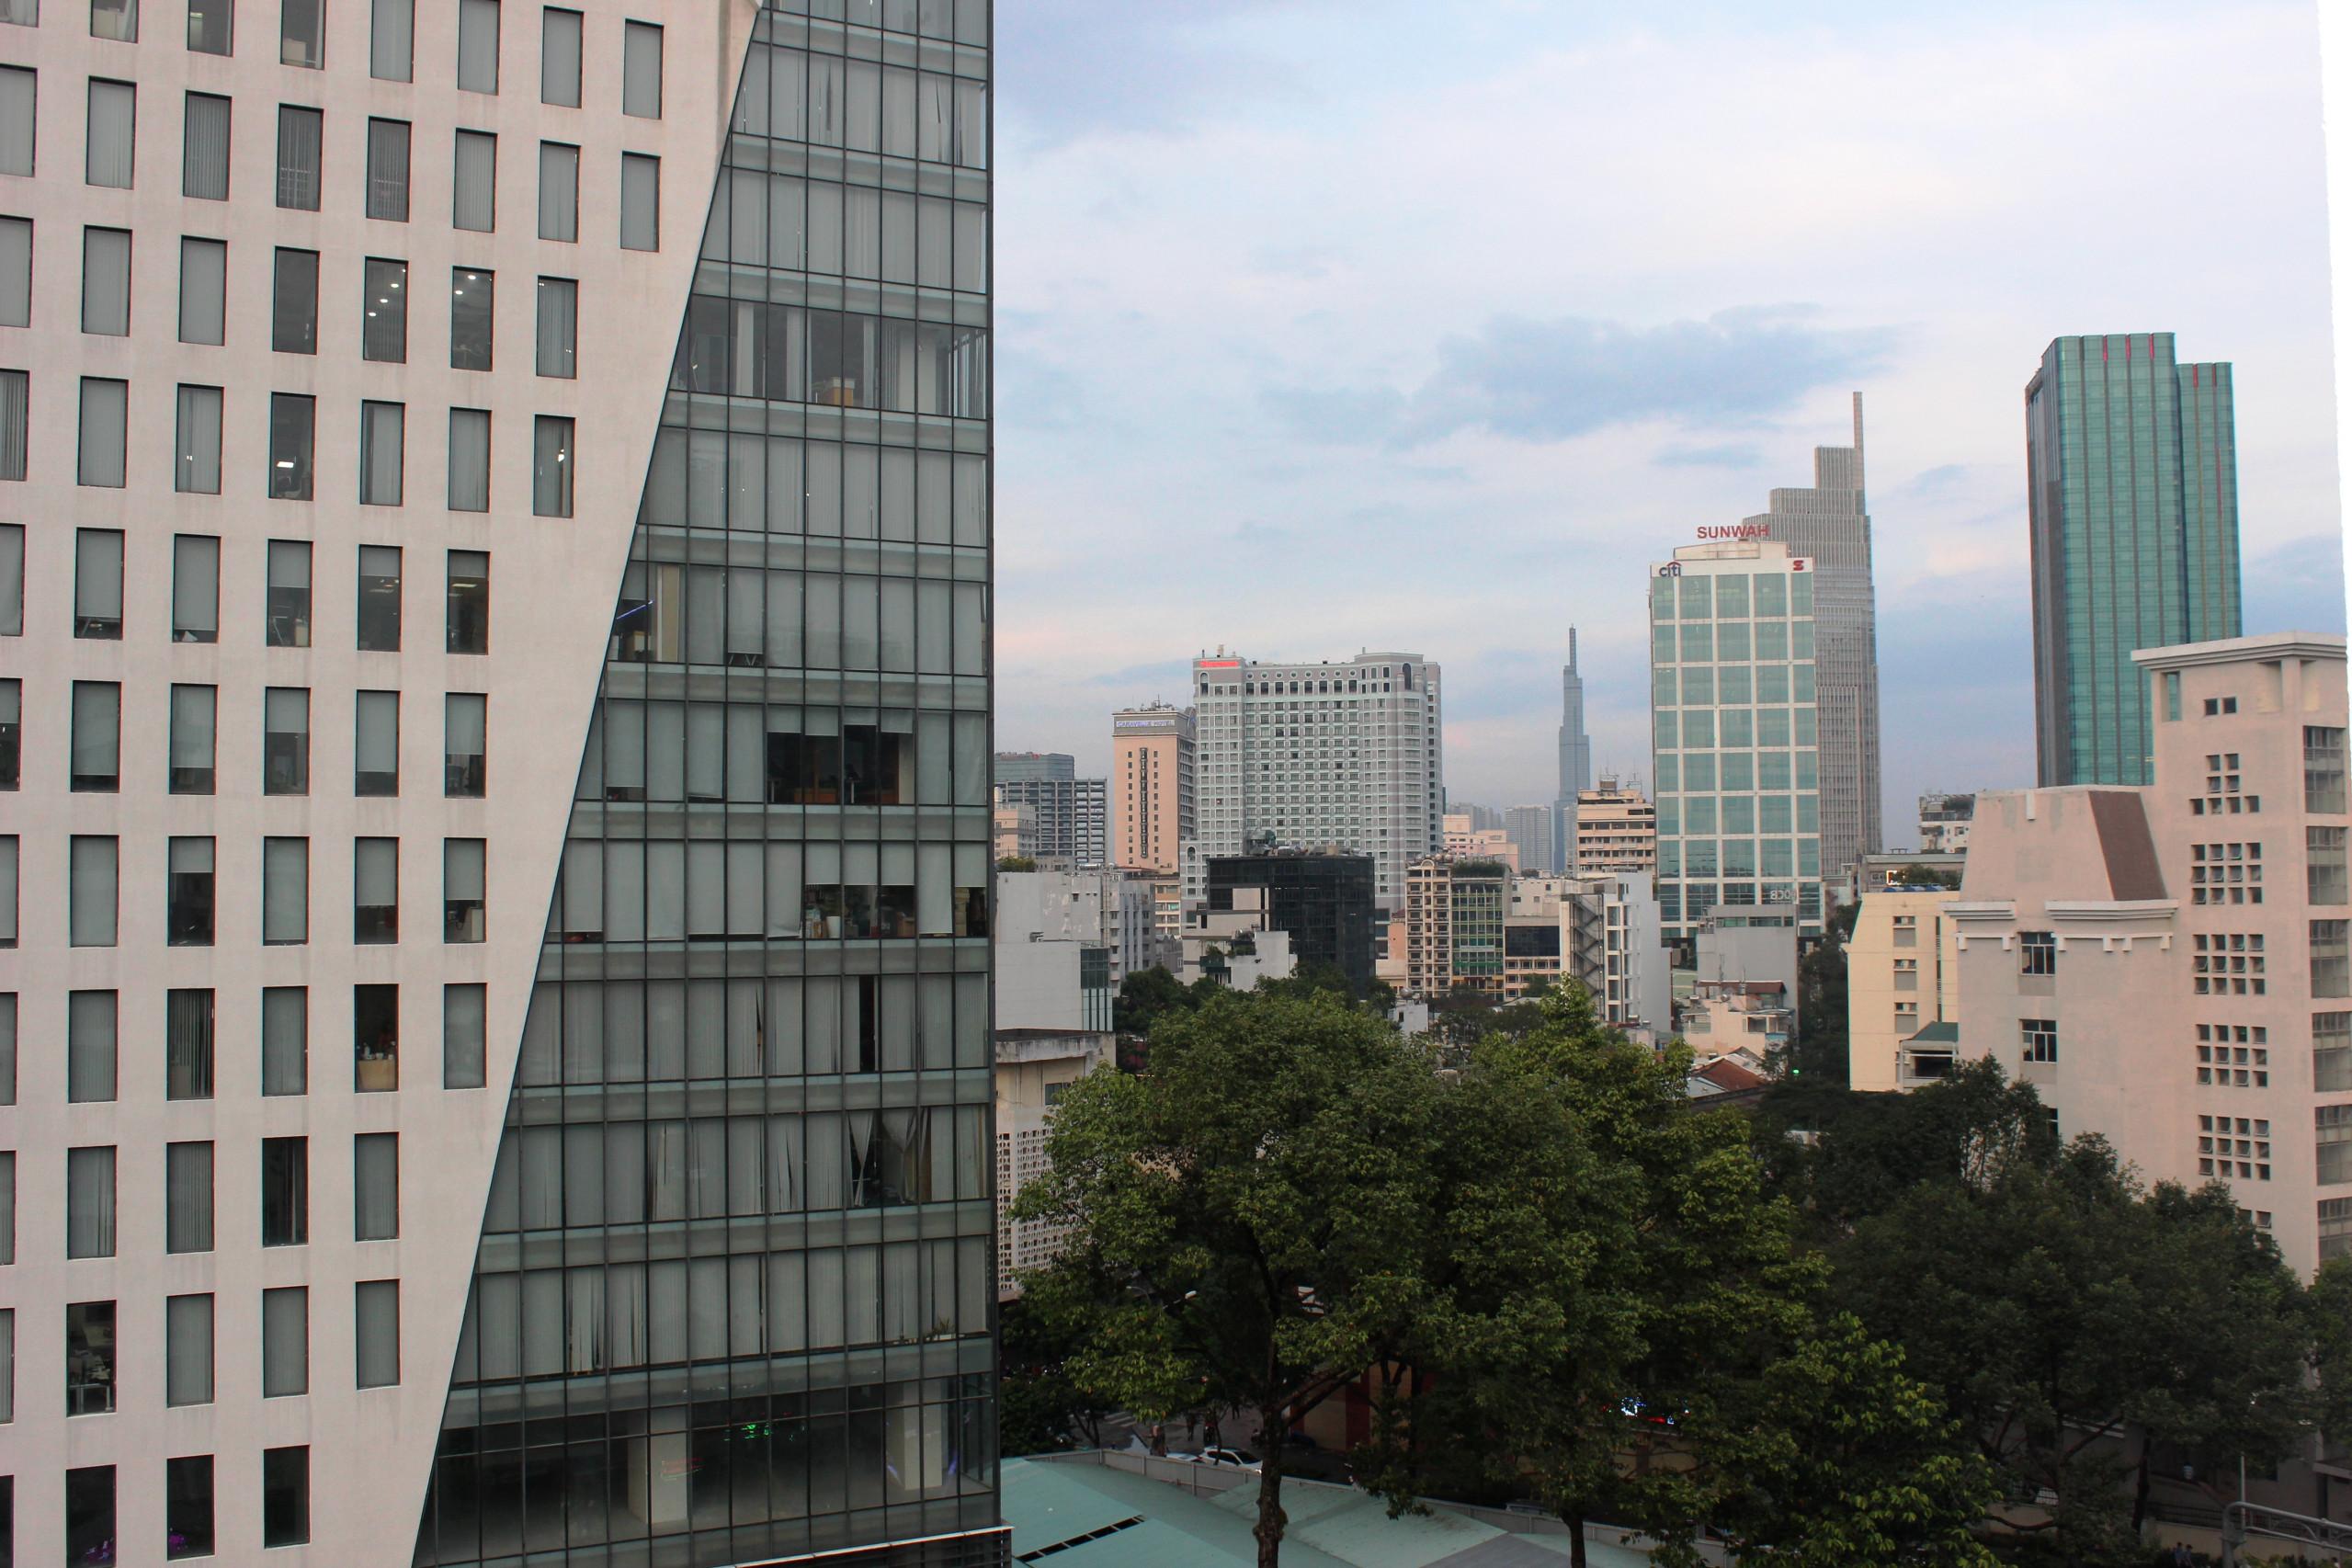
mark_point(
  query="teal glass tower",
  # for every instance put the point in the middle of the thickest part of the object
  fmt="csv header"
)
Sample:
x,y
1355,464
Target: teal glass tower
x,y
2132,488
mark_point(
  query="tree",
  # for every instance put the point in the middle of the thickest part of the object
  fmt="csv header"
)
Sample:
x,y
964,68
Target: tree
x,y
1039,1407
1145,995
1017,863
1249,1224
2331,1312
1918,876
1819,1051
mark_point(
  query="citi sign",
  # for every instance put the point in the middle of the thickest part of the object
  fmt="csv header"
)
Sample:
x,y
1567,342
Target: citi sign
x,y
1737,531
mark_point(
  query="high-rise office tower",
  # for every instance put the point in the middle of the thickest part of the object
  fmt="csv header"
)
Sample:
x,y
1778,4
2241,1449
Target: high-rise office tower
x,y
1734,733
503,809
1528,829
1150,787
1072,813
1347,754
1576,759
2131,483
1829,526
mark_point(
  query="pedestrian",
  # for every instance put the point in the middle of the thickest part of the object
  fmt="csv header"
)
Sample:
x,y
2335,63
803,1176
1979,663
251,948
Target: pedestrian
x,y
1216,1438
1159,1441
1192,1427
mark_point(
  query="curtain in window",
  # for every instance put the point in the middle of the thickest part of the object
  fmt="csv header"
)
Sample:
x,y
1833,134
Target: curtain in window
x,y
640,201
375,1186
463,1009
90,1202
8,1206
17,94
196,585
388,162
666,1170
376,745
390,34
707,1291
285,889
97,746
109,153
91,1023
627,1342
468,459
203,285
300,134
187,1350
106,410
204,157
552,476
188,1044
285,1342
476,180
376,1323
825,1293
559,190
91,899
641,71
15,419
901,1293
106,281
380,431
187,1198
559,58
478,46
285,1040
8,922
558,312
197,471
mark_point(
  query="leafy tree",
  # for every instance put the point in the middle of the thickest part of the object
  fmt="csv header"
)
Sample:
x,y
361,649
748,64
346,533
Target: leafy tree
x,y
1918,876
1039,1407
1017,863
2330,1311
1249,1222
1819,1051
1145,995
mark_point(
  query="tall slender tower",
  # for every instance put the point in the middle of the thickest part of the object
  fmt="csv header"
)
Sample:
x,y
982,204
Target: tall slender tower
x,y
1829,524
494,551
1575,761
2132,489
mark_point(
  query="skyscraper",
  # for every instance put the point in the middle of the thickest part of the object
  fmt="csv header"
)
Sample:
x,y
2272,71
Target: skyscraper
x,y
1152,778
1072,813
1347,754
2131,483
1530,829
1575,760
1829,526
1734,733
507,807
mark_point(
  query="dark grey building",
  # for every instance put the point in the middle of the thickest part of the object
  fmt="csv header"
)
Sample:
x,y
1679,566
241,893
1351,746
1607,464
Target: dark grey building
x,y
1322,899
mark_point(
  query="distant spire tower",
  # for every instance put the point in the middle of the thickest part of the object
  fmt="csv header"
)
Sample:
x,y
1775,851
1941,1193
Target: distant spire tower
x,y
1575,760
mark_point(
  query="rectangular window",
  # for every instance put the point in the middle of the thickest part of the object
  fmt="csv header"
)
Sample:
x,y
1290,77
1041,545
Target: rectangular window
x,y
375,1186
285,1041
388,168
16,422
2331,1051
92,1046
641,203
640,72
89,1507
472,306
292,426
2325,866
2324,749
375,1039
379,599
96,748
2333,1126
105,416
294,302
2039,1038
89,1381
17,92
384,331
559,328
462,879
108,153
285,1496
285,1342
195,588
93,865
559,191
187,1480
188,922
559,58
187,1198
301,33
288,604
116,19
552,475
468,459
382,437
90,1202
2331,957
285,1192
203,290
473,203
376,1322
16,272
204,147
211,25
188,1044
2038,953
196,467
105,282
464,753
478,46
375,891
375,751
12,567
469,601
464,1019
285,891
286,741
195,711
391,37
12,709
8,922
300,133
187,1350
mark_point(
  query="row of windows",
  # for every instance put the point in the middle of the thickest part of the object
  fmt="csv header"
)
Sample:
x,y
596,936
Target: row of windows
x,y
298,181
301,41
745,618
284,1209
1704,729
90,1491
192,1059
1736,772
102,455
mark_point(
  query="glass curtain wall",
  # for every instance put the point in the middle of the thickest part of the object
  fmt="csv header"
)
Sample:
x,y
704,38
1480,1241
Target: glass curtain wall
x,y
735,1292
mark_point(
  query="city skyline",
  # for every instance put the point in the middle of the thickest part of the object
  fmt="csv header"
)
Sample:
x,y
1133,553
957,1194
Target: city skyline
x,y
1223,469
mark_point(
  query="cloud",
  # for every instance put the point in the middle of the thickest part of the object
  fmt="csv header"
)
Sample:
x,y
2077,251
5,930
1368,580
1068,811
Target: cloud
x,y
1071,67
1724,455
1549,380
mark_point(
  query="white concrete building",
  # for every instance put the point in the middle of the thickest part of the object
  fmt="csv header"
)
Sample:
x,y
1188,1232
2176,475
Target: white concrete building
x,y
1237,947
1034,1066
494,573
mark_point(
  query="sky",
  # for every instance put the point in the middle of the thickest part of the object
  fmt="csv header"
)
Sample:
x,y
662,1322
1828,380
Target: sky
x,y
1410,324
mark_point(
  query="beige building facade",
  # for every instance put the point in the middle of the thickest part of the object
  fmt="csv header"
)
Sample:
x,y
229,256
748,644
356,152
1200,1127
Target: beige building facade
x,y
1617,830
1152,810
2168,964
1902,976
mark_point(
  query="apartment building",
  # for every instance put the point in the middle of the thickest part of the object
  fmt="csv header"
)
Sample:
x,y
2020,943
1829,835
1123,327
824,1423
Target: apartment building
x,y
1617,830
1152,787
1471,924
1034,1068
493,583
1901,978
2169,964
1072,814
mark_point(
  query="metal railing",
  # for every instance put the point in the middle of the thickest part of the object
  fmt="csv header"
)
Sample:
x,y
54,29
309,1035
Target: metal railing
x,y
2243,1519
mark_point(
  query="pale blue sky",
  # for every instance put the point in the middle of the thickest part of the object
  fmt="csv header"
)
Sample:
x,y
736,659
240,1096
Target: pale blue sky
x,y
1335,324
